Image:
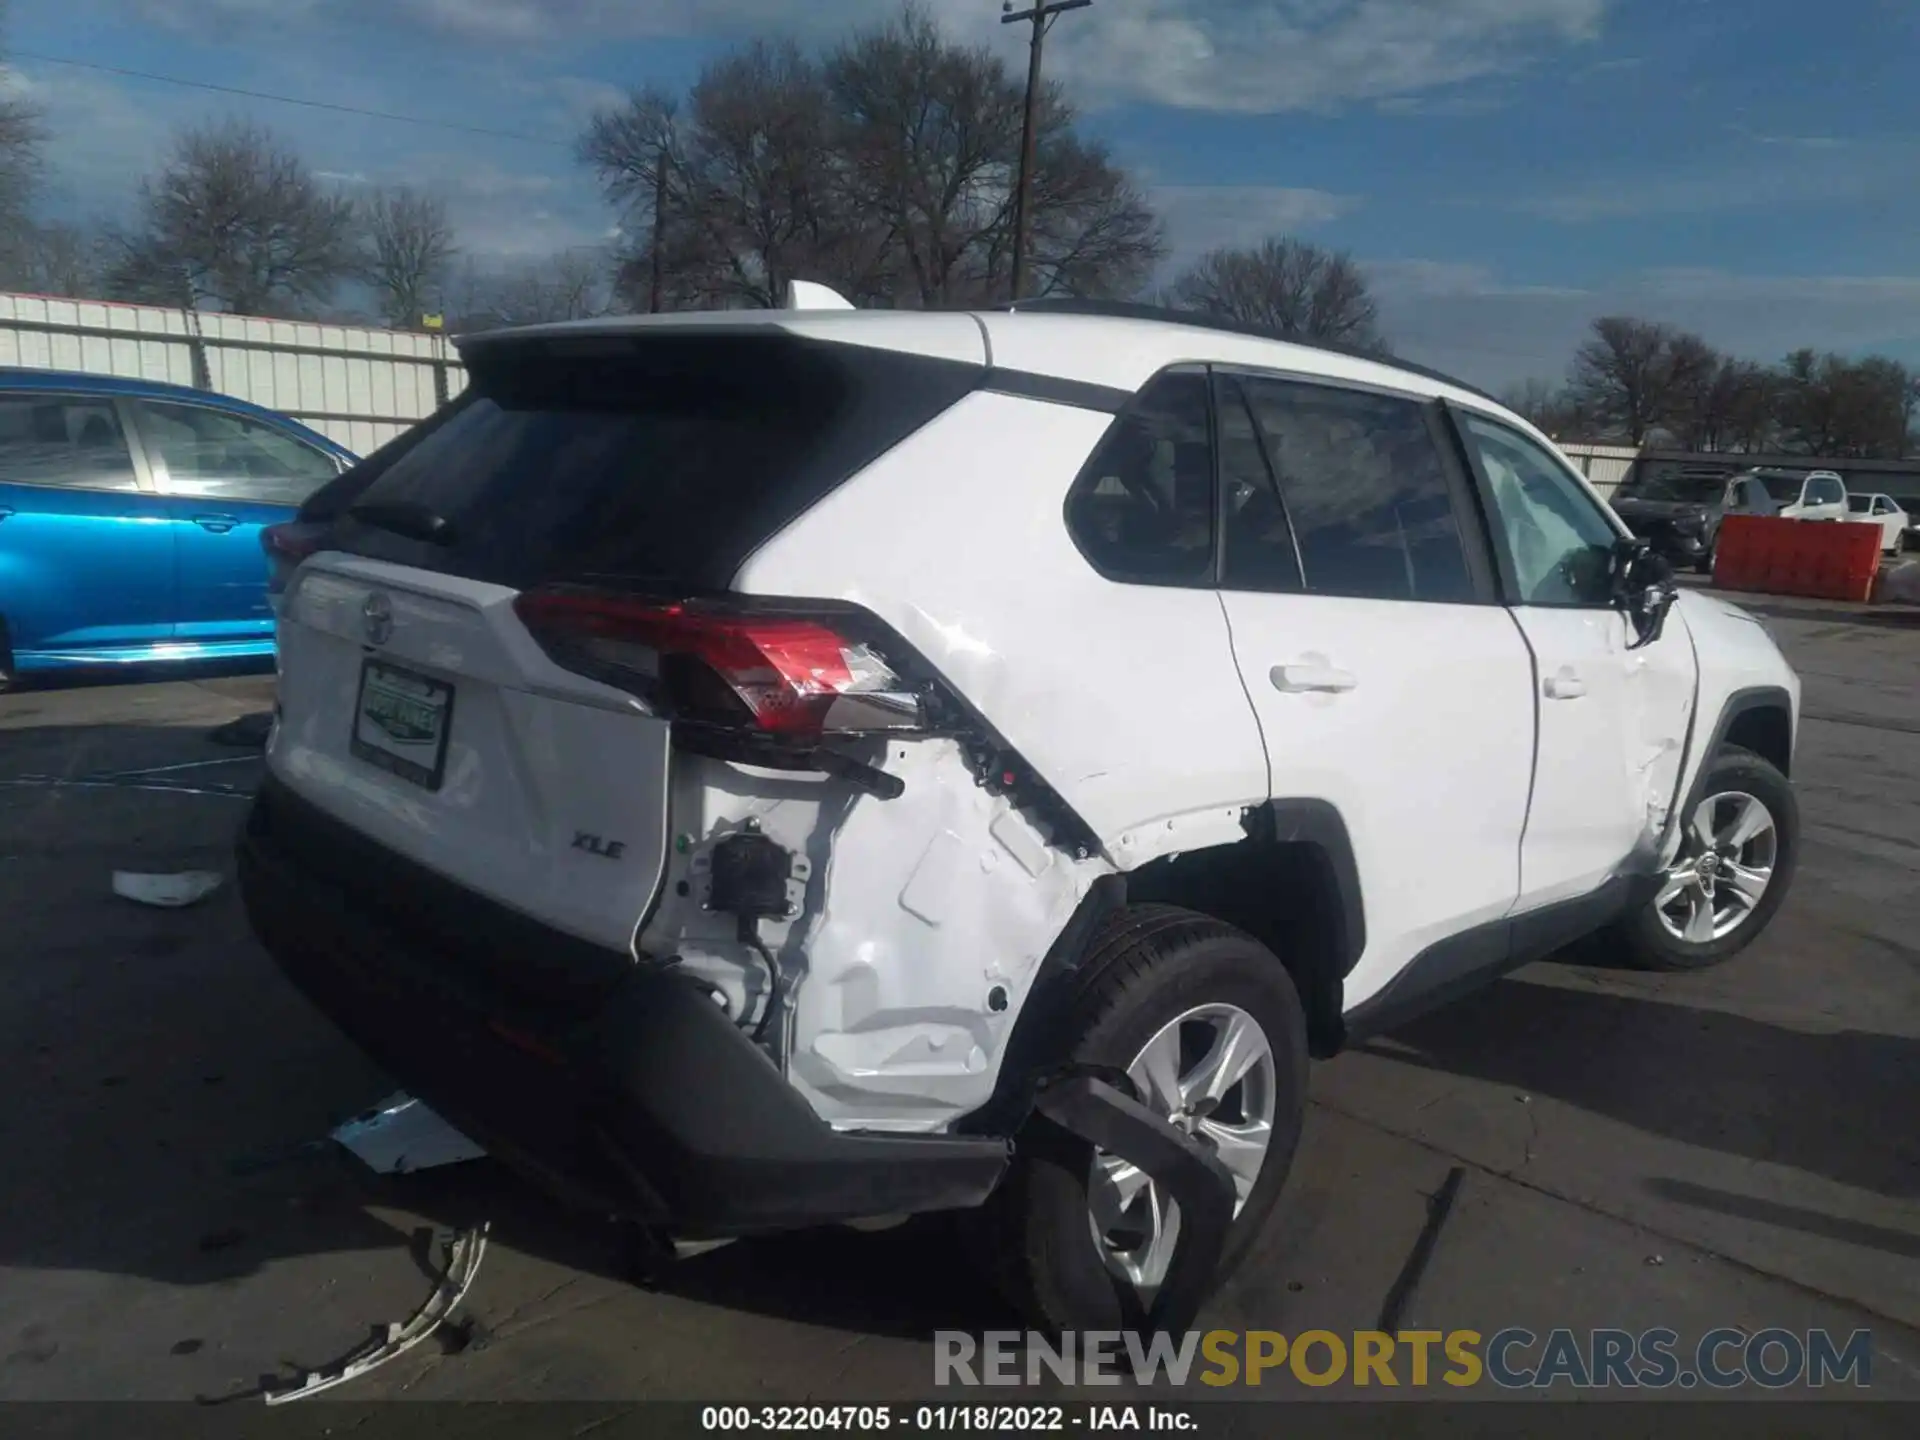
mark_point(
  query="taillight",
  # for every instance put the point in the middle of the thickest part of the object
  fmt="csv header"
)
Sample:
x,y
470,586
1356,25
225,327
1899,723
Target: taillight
x,y
785,677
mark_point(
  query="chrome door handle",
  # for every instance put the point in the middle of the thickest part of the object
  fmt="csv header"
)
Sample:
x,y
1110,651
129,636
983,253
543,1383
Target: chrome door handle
x,y
1565,686
218,524
1300,679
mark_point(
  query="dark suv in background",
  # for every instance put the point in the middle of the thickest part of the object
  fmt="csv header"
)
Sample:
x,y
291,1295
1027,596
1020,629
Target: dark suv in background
x,y
1678,511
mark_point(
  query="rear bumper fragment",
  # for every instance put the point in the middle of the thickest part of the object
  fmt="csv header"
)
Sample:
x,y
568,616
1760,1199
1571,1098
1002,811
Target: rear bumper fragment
x,y
616,1085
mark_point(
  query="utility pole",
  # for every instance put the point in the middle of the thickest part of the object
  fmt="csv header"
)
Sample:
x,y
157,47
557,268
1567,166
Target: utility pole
x,y
1041,17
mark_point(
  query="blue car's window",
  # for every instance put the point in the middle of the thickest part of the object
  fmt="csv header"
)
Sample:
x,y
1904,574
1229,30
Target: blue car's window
x,y
73,443
216,455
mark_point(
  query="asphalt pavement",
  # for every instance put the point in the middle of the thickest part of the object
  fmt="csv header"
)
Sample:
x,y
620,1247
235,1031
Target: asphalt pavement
x,y
1731,1149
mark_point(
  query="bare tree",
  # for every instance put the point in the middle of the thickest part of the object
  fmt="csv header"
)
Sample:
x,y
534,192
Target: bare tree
x,y
885,171
235,221
1548,407
748,181
636,151
409,252
21,135
1285,285
61,258
569,285
930,143
1629,377
1830,405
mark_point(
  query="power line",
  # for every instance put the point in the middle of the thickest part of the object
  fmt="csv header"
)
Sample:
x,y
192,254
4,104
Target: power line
x,y
292,100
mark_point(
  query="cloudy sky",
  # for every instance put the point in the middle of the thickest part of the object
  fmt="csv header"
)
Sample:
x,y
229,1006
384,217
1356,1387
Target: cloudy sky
x,y
1508,169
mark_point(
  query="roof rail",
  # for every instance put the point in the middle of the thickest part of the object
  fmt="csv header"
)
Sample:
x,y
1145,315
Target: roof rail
x,y
1133,310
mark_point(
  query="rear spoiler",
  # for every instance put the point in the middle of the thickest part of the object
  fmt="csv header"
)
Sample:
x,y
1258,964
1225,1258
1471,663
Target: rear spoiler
x,y
806,295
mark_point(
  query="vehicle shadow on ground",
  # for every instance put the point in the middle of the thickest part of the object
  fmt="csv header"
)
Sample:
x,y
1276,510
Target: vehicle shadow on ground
x,y
170,1094
902,1283
1812,1101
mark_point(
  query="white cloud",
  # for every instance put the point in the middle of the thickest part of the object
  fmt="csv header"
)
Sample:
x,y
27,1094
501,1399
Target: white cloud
x,y
1240,56
1438,279
1264,57
1783,173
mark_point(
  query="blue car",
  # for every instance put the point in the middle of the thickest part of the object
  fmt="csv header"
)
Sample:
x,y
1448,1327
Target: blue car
x,y
132,517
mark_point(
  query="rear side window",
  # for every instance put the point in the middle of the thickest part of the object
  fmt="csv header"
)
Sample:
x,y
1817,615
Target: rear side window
x,y
1260,550
71,443
1141,510
214,454
1367,492
661,460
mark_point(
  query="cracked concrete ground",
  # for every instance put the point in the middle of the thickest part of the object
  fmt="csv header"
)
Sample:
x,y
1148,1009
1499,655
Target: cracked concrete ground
x,y
1730,1149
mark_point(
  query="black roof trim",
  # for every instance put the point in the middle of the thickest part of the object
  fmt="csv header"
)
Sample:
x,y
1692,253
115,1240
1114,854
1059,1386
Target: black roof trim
x,y
1132,310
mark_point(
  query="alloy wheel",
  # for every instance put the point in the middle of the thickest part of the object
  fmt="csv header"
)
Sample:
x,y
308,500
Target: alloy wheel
x,y
1726,863
1211,1072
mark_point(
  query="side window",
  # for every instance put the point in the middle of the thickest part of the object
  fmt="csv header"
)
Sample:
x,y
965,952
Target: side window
x,y
1882,505
1259,550
1366,491
71,443
1559,541
215,455
1142,508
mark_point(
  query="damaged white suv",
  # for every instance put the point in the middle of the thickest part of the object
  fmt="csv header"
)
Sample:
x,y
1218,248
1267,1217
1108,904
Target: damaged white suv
x,y
759,770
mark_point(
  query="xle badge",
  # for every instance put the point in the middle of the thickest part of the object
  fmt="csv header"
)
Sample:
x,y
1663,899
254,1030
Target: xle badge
x,y
595,845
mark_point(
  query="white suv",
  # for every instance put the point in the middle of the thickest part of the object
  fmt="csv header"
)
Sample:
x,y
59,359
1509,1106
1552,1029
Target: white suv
x,y
758,770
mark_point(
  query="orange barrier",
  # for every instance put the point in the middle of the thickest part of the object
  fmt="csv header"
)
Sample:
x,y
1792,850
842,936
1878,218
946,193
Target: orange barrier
x,y
1822,559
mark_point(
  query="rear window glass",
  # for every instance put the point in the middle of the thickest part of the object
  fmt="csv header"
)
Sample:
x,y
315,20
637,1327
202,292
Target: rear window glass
x,y
661,460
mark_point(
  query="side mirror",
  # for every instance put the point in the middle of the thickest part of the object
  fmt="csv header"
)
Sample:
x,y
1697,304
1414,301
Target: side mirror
x,y
1643,589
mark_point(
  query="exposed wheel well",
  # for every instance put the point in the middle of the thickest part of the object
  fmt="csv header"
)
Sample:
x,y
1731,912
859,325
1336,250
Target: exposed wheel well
x,y
1285,895
1766,730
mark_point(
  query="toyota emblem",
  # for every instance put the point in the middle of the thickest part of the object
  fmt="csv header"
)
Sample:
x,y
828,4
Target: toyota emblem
x,y
378,615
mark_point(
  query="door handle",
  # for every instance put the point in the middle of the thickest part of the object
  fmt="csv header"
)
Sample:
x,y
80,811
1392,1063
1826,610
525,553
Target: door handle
x,y
1299,679
218,524
5,511
1565,686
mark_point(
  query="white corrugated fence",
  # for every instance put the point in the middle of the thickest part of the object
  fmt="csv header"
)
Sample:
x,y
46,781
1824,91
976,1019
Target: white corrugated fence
x,y
359,387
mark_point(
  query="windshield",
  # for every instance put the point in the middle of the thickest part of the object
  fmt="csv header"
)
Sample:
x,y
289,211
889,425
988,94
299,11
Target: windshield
x,y
1785,489
1686,489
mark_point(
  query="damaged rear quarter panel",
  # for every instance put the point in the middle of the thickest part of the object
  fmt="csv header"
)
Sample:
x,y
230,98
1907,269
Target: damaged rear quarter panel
x,y
913,913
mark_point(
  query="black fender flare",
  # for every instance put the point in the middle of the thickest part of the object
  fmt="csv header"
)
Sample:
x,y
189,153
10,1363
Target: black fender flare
x,y
1740,702
1316,823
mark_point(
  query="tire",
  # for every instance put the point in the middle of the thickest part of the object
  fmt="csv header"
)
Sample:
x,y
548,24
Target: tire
x,y
1647,941
1704,565
1144,968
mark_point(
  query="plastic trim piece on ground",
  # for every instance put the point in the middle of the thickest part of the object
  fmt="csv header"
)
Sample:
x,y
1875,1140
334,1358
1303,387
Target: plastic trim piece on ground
x,y
463,1263
400,1135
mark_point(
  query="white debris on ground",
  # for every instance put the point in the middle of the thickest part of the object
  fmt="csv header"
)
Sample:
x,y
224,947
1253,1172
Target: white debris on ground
x,y
400,1135
463,1263
169,892
1901,584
